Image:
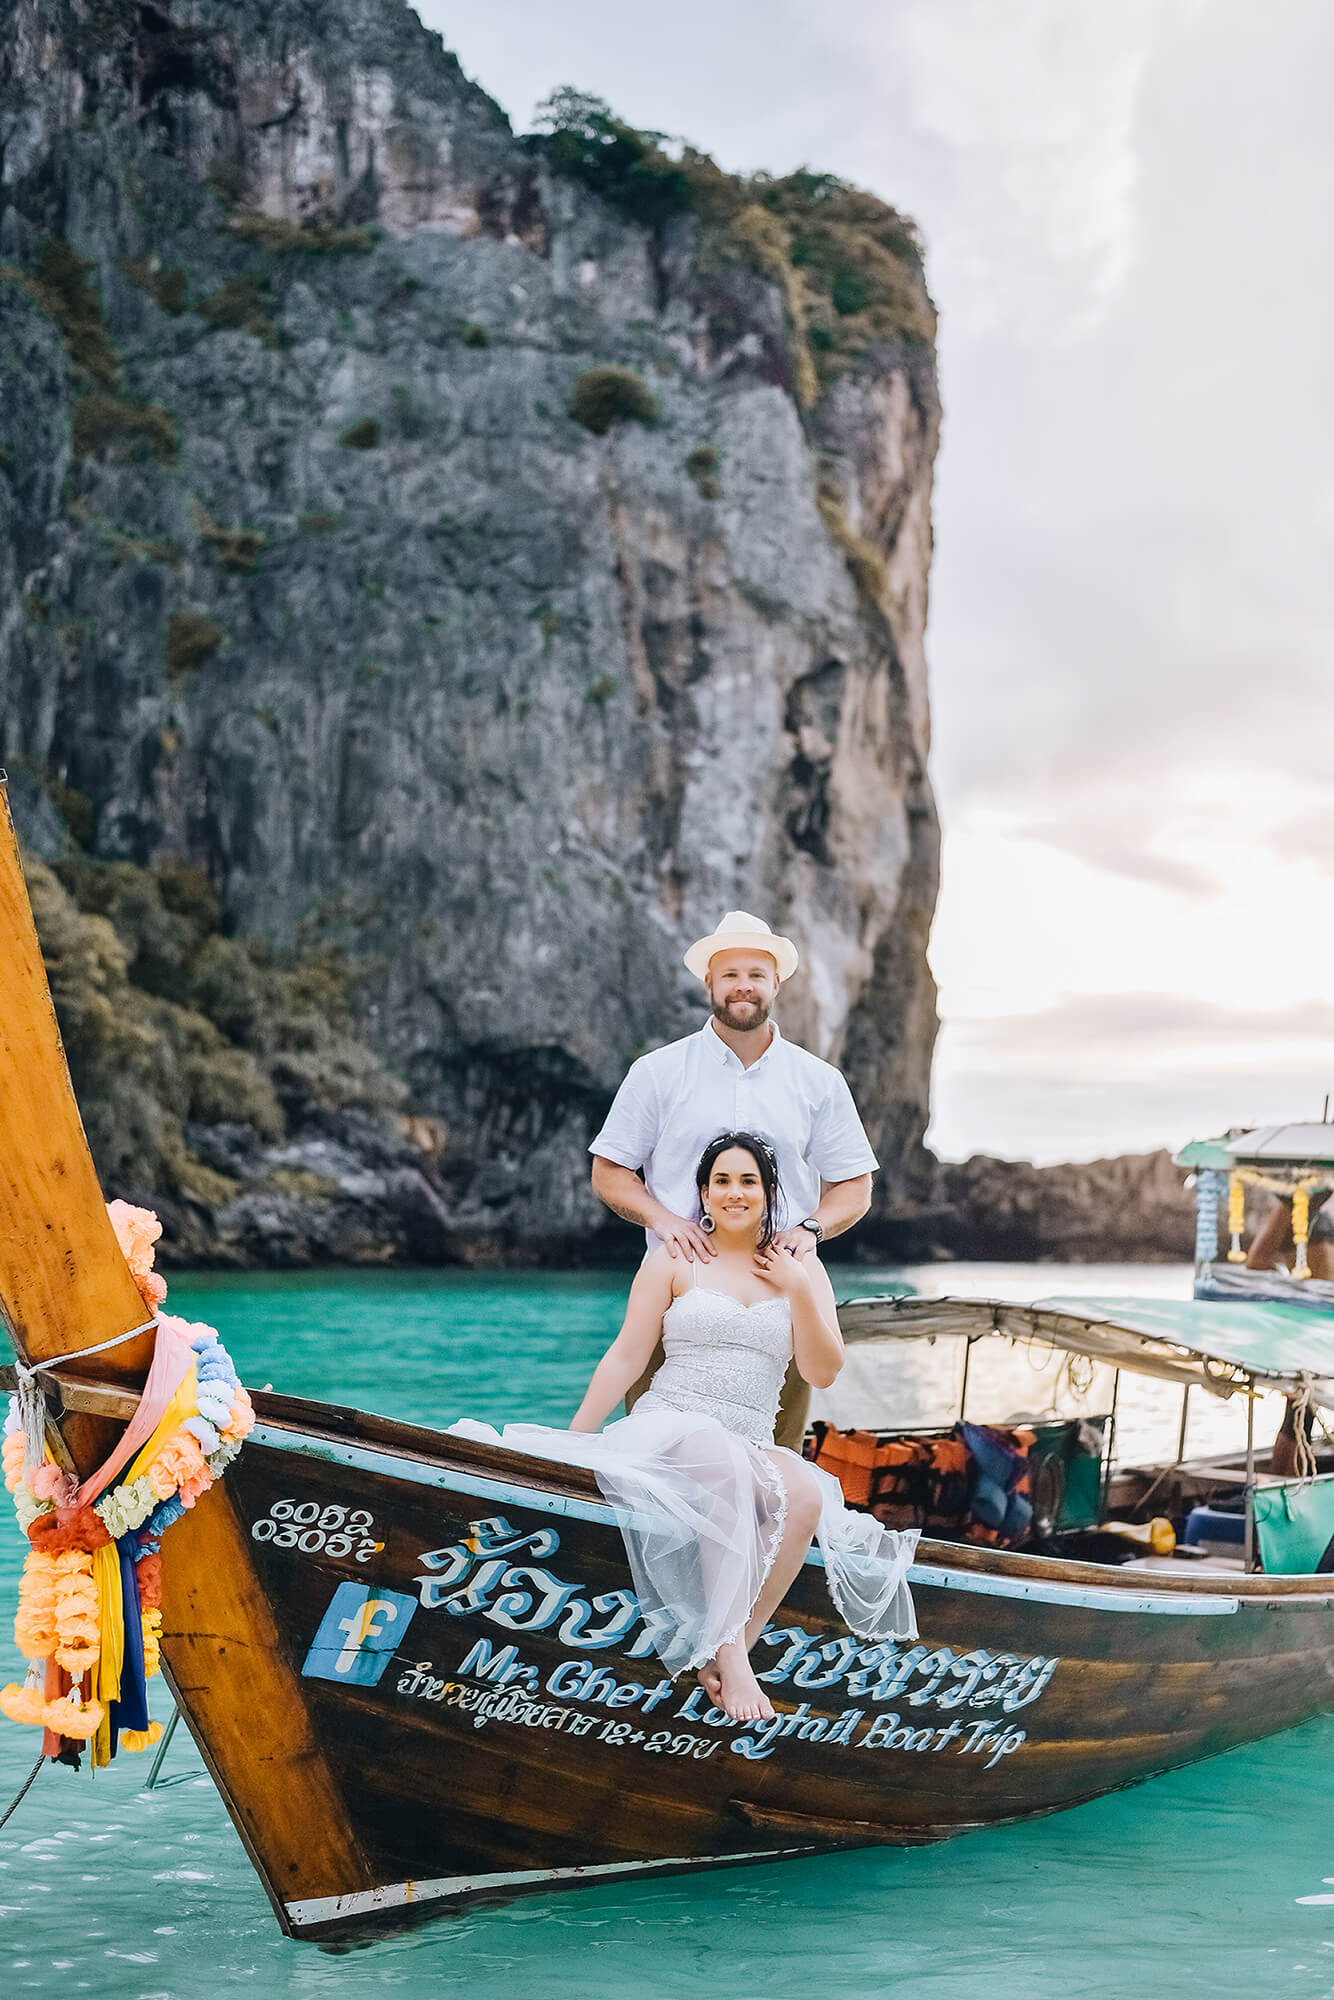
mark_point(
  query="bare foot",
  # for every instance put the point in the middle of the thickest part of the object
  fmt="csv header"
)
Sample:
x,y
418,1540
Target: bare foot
x,y
740,1693
711,1681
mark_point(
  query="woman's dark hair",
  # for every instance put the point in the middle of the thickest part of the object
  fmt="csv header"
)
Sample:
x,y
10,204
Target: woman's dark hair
x,y
766,1164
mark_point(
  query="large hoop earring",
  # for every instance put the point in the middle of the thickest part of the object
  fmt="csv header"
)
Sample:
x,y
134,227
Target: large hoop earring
x,y
707,1223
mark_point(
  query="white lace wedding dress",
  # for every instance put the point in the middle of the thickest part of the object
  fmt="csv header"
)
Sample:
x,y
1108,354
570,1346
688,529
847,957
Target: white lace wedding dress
x,y
690,1475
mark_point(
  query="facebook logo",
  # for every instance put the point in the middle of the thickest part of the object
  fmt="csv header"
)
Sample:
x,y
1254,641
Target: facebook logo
x,y
359,1634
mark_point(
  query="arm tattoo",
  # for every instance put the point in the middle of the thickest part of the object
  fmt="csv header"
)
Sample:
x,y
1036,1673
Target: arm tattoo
x,y
626,1213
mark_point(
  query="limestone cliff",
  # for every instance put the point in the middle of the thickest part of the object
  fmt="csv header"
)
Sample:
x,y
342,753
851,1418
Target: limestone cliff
x,y
1134,1209
440,573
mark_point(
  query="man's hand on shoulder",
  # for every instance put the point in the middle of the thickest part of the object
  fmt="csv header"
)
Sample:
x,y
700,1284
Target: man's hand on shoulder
x,y
680,1238
800,1242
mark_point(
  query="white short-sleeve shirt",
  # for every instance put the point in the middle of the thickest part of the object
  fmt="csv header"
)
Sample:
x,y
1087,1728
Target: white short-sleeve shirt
x,y
676,1099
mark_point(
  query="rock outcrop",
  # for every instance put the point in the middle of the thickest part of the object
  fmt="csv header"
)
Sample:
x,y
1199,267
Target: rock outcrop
x,y
390,694
1135,1209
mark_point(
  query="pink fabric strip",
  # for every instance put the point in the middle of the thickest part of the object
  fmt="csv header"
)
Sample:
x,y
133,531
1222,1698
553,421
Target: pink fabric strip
x,y
172,1356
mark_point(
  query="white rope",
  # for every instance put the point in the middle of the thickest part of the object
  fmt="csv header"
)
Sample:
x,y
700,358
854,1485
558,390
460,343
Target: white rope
x,y
31,1401
1302,1409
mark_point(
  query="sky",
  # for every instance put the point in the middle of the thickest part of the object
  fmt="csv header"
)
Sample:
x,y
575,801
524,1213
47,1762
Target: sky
x,y
1127,206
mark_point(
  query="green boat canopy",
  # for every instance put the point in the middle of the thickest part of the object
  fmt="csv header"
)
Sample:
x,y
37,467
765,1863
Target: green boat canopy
x,y
1308,1146
1214,1344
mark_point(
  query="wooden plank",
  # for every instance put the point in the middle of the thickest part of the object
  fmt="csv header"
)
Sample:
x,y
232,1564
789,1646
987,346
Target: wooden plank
x,y
63,1282
246,1709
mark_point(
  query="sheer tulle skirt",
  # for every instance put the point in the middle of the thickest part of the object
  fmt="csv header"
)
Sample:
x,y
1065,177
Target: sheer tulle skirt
x,y
702,1513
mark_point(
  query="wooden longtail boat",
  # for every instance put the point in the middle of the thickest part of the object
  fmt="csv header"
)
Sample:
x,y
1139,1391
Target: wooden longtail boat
x,y
416,1671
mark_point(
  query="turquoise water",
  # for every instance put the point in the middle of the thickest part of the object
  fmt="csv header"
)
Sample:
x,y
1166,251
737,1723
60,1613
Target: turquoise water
x,y
1192,1884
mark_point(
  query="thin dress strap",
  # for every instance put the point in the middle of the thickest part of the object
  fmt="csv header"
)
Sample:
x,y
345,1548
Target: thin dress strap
x,y
694,1274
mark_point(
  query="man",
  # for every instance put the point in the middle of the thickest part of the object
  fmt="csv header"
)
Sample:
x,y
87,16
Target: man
x,y
737,1074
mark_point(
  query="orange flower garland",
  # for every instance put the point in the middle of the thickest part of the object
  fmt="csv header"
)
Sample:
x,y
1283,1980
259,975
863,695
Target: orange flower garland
x,y
78,1627
60,1613
35,1619
151,1622
137,1230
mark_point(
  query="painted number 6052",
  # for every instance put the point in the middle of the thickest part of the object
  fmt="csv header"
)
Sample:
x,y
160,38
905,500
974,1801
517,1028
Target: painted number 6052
x,y
315,1530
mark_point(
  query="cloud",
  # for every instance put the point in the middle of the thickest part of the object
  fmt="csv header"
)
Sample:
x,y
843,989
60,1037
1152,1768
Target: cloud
x,y
1035,101
1147,1028
1096,1075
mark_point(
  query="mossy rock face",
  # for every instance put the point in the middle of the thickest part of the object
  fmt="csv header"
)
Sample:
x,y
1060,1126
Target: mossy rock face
x,y
237,549
134,548
273,232
60,287
364,436
114,427
605,396
170,289
702,465
191,639
241,305
75,808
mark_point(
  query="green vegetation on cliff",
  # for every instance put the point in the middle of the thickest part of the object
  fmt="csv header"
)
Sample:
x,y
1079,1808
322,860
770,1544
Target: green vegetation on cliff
x,y
849,266
168,1023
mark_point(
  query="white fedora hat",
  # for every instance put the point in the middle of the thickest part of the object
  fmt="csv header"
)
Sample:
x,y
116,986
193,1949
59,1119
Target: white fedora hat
x,y
739,931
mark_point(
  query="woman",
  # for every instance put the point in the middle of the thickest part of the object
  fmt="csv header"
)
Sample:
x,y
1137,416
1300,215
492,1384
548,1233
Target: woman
x,y
717,1519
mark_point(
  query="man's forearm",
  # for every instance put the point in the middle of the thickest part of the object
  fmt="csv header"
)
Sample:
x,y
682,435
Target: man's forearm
x,y
842,1203
621,1190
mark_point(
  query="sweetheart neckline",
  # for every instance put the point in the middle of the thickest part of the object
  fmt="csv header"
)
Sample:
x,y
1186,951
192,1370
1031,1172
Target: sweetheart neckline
x,y
712,1292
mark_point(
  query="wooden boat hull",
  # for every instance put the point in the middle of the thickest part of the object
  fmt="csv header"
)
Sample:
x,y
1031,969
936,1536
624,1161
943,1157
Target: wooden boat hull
x,y
478,1682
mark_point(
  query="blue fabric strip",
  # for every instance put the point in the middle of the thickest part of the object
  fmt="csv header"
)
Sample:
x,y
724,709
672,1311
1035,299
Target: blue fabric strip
x,y
131,1711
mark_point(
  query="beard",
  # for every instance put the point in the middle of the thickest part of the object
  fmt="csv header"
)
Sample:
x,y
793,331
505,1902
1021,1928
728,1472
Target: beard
x,y
741,1014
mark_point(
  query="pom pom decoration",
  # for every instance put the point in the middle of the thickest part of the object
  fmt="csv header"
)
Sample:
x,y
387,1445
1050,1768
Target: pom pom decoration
x,y
148,1575
24,1704
135,1739
70,1595
68,1528
67,1718
127,1506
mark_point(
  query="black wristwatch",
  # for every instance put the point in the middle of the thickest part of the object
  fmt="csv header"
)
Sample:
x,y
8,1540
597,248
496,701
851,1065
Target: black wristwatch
x,y
816,1228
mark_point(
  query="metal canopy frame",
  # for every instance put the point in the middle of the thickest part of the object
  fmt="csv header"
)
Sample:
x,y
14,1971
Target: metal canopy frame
x,y
1050,1325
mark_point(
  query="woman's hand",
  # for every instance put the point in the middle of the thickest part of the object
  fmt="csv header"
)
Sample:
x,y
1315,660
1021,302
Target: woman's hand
x,y
789,1274
817,1344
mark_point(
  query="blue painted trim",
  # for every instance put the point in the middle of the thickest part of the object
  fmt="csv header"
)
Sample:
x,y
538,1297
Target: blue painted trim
x,y
1089,1597
418,1473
